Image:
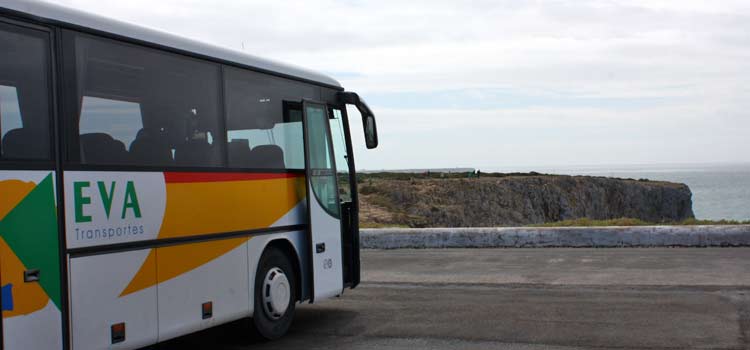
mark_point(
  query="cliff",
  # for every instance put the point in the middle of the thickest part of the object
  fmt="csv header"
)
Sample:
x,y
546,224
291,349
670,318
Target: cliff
x,y
515,200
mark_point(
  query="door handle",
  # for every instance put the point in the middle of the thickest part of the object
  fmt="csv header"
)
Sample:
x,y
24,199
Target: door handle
x,y
31,276
320,247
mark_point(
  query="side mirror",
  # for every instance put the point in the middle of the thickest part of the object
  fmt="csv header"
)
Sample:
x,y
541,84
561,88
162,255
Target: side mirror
x,y
371,131
368,118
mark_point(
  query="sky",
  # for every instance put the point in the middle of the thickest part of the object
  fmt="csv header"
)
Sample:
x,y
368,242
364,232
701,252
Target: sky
x,y
504,83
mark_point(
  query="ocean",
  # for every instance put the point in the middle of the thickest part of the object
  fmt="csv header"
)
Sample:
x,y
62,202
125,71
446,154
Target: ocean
x,y
720,191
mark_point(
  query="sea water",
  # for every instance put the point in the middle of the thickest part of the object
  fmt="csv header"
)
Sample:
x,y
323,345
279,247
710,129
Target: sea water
x,y
720,191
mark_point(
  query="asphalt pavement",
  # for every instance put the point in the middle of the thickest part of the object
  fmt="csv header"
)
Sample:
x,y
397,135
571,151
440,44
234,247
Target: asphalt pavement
x,y
653,298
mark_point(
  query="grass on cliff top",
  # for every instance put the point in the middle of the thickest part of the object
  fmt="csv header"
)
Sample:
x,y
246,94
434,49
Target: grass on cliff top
x,y
438,175
367,224
586,222
363,178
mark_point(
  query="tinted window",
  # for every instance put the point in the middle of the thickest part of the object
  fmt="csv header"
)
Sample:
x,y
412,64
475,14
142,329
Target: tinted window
x,y
24,94
322,176
121,119
341,157
264,120
10,111
141,106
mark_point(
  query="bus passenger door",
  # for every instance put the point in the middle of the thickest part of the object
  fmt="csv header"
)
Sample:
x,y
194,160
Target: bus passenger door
x,y
346,175
323,208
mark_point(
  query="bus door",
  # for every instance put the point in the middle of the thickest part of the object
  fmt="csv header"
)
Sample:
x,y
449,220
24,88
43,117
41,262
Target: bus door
x,y
323,207
346,175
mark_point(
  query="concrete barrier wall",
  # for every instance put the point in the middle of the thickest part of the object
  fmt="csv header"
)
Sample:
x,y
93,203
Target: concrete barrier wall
x,y
532,237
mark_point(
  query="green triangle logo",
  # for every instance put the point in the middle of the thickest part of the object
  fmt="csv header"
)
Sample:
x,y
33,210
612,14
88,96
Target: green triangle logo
x,y
30,229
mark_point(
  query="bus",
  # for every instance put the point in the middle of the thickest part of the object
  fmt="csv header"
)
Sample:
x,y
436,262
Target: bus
x,y
153,186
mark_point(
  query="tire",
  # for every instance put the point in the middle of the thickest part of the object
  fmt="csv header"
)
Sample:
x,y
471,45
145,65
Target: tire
x,y
270,323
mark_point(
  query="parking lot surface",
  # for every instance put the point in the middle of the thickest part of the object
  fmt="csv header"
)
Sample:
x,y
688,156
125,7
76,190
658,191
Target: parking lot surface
x,y
525,299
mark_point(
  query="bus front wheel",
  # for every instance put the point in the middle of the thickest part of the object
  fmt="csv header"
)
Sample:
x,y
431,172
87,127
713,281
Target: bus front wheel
x,y
275,291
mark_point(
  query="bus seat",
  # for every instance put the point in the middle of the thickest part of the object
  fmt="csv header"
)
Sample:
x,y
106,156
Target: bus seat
x,y
239,153
101,148
194,153
151,147
267,157
19,144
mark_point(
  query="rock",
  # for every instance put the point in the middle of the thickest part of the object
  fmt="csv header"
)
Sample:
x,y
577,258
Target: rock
x,y
520,200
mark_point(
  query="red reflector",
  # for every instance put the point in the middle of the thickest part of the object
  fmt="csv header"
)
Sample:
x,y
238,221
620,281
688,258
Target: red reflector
x,y
118,333
208,309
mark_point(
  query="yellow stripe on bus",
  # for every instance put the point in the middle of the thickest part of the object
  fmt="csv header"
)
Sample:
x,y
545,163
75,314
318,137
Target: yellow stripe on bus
x,y
211,207
199,208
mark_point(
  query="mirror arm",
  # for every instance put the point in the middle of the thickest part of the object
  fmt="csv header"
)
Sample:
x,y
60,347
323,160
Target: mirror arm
x,y
351,98
368,118
347,97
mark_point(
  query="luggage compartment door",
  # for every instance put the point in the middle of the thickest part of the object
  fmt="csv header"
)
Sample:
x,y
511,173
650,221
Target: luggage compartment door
x,y
105,300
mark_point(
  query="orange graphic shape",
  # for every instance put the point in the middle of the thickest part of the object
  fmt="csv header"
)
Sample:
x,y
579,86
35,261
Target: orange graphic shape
x,y
27,297
13,192
145,277
174,261
201,208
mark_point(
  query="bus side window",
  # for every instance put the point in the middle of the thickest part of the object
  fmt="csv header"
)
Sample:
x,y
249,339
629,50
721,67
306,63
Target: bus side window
x,y
24,95
145,107
260,135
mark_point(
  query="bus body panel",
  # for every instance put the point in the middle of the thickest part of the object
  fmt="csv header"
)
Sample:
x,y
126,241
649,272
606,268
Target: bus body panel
x,y
29,241
168,308
327,264
97,303
221,282
158,292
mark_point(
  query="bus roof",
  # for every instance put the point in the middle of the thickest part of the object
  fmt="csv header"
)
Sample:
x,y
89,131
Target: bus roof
x,y
57,13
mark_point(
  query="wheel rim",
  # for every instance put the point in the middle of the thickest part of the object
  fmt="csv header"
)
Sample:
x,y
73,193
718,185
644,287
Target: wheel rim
x,y
276,293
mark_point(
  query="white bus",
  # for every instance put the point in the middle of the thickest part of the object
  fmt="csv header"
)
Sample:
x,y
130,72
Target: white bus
x,y
153,186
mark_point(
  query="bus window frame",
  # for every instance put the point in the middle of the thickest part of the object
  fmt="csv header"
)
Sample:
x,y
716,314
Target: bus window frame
x,y
65,58
71,143
25,28
55,161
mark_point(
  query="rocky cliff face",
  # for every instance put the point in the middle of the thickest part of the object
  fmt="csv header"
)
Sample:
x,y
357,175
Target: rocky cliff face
x,y
519,200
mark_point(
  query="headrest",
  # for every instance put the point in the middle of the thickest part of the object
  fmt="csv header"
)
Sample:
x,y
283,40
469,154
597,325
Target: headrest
x,y
20,144
240,142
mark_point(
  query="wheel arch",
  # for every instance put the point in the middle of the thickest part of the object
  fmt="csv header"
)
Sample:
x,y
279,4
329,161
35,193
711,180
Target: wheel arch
x,y
286,246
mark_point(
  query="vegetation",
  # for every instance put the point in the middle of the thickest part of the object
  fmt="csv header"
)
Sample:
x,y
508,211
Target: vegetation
x,y
369,224
405,176
363,177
